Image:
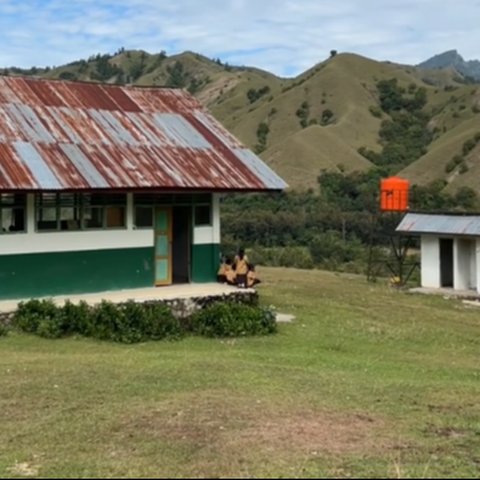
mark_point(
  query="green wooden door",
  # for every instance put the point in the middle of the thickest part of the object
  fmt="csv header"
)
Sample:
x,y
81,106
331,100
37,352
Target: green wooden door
x,y
163,246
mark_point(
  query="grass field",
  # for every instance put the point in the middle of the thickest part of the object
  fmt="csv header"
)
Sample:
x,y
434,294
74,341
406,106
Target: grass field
x,y
367,381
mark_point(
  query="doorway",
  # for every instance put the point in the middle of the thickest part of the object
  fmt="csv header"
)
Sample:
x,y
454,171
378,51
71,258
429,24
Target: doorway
x,y
446,262
181,245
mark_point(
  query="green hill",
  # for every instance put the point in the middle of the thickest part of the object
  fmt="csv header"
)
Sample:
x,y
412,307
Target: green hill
x,y
316,121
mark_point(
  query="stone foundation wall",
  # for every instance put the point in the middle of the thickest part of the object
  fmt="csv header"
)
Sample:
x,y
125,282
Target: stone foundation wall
x,y
184,307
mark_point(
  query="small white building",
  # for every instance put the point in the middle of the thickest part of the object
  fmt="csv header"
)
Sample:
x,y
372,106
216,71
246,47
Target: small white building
x,y
450,249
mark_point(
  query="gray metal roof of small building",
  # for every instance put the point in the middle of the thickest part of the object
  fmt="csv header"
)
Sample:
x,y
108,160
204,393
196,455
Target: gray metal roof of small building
x,y
423,223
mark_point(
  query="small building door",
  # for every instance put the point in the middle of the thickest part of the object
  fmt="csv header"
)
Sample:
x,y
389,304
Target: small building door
x,y
163,246
446,262
181,243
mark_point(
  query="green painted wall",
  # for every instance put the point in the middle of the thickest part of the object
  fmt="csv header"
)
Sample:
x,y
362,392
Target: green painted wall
x,y
42,274
62,273
205,262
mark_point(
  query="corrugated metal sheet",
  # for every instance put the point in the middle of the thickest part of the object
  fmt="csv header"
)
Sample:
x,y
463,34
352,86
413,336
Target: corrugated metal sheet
x,y
69,135
421,223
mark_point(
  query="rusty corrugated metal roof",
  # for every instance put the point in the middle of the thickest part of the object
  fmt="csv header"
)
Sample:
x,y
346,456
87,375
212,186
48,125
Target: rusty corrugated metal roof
x,y
71,135
423,223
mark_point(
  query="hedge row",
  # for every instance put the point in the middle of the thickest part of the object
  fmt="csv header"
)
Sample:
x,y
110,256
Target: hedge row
x,y
132,322
3,330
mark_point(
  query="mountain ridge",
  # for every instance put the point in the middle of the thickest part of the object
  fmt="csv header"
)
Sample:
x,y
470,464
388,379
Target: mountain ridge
x,y
452,59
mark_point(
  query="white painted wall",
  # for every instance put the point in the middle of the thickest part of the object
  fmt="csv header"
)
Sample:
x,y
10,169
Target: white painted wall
x,y
430,261
33,242
477,261
209,234
462,257
473,263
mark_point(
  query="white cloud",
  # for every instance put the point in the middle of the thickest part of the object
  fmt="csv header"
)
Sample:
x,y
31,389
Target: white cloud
x,y
284,36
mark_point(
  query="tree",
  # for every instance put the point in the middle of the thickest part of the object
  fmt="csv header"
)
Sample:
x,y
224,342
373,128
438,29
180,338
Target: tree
x,y
333,53
327,115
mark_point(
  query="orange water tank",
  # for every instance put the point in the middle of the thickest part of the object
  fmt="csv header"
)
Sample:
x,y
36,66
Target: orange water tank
x,y
394,194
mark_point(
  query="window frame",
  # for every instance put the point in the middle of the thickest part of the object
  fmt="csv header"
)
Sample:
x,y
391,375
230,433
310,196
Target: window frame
x,y
210,215
81,202
155,200
15,205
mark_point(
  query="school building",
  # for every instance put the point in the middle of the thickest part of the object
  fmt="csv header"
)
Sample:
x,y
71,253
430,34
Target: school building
x,y
105,187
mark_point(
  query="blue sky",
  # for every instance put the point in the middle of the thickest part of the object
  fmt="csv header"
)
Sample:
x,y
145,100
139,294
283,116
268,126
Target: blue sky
x,y
282,36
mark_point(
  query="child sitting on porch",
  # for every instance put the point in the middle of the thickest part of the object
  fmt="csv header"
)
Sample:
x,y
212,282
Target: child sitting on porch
x,y
252,279
226,273
241,267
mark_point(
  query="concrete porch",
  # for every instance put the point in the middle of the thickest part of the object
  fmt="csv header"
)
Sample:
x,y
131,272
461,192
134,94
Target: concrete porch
x,y
173,294
448,292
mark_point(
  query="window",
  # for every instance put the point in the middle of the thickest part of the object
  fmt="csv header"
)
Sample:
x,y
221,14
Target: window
x,y
73,211
203,215
143,216
115,216
12,212
104,210
145,203
69,211
58,211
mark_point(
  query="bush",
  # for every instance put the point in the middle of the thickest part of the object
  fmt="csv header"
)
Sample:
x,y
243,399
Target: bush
x,y
468,146
31,314
233,320
450,166
51,327
132,322
76,318
327,116
155,321
3,330
376,111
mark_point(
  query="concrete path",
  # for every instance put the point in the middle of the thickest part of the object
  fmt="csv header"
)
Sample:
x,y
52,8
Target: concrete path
x,y
447,292
284,318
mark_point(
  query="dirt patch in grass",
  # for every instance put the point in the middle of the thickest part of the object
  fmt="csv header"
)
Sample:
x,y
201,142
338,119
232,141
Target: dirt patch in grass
x,y
23,469
245,425
446,432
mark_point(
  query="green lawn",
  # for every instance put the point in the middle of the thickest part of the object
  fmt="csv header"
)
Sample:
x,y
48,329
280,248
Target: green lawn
x,y
368,381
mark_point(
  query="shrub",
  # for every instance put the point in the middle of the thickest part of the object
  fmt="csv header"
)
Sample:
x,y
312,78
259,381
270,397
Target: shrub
x,y
3,330
132,322
253,95
155,321
376,111
51,327
105,321
76,318
450,166
67,76
30,314
233,320
303,113
327,116
468,146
